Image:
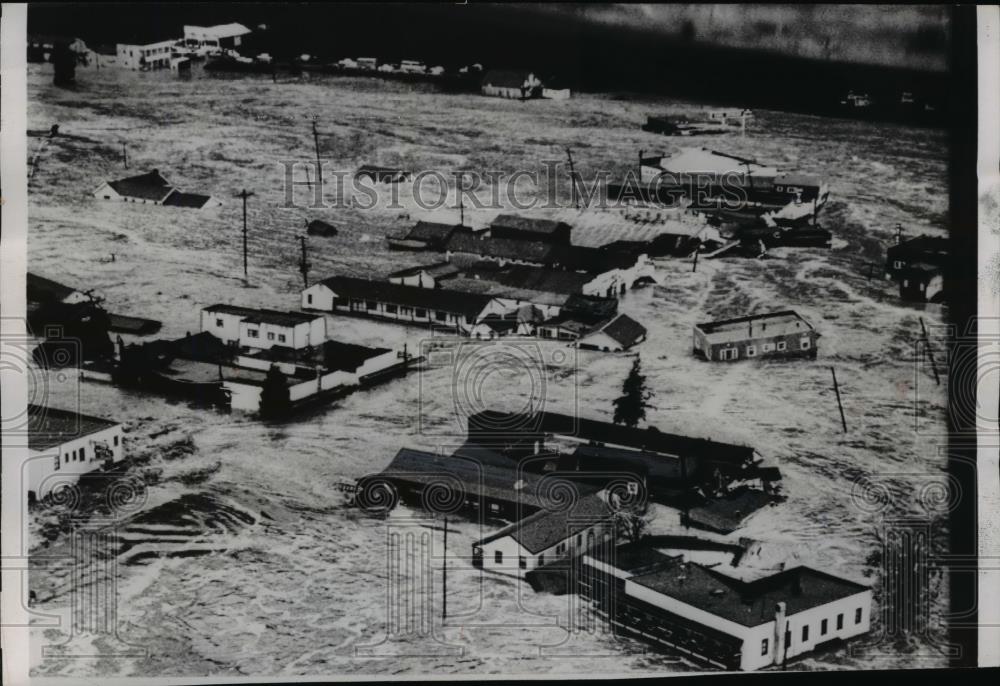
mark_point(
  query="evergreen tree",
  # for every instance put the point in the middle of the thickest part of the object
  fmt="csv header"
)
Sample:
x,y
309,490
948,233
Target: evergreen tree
x,y
630,408
274,397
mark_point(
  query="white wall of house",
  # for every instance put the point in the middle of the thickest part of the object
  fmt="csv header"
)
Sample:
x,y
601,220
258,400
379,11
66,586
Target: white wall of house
x,y
156,55
246,396
601,341
265,335
378,363
754,656
556,93
106,192
317,297
223,325
512,552
42,473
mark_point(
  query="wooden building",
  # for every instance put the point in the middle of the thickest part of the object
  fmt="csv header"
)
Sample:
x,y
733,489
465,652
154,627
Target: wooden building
x,y
64,445
545,537
152,188
705,615
775,334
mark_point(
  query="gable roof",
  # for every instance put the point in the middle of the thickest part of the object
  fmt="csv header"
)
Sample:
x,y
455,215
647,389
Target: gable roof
x,y
623,329
455,302
430,231
581,428
516,222
476,476
148,186
749,603
49,427
725,515
41,289
780,323
501,248
705,161
179,199
547,527
436,269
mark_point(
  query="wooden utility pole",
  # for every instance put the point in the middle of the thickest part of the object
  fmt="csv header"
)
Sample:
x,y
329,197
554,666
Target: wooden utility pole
x,y
124,155
245,194
572,176
461,210
319,164
836,389
304,263
930,353
444,576
697,250
899,234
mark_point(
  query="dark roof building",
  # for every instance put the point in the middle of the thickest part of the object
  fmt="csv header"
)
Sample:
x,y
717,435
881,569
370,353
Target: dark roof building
x,y
527,228
382,174
457,302
42,290
546,528
50,426
433,233
148,186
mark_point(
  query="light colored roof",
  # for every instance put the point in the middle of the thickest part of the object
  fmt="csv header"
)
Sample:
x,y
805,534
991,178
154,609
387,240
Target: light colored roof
x,y
230,30
703,160
780,323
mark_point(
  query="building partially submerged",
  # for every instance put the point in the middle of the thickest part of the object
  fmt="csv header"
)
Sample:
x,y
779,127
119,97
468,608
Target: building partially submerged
x,y
918,265
249,327
774,334
63,445
152,188
713,618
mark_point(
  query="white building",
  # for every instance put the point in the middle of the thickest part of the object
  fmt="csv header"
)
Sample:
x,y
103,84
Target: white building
x,y
262,329
219,37
63,445
146,56
708,615
615,335
545,537
506,83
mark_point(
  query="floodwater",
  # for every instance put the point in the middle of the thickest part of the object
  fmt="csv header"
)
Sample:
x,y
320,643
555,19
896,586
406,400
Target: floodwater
x,y
240,557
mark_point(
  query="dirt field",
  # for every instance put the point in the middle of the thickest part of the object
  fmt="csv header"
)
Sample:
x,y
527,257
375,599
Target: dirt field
x,y
273,575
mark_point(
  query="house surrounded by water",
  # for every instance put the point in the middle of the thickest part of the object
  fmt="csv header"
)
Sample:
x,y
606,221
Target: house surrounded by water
x,y
63,445
775,334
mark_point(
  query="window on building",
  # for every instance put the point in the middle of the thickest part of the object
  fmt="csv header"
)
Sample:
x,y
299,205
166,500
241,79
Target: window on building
x,y
66,458
57,462
805,633
253,333
494,508
541,560
579,539
764,645
420,313
767,347
405,310
370,305
270,335
898,264
857,616
840,621
441,316
281,338
822,628
218,322
391,309
468,319
309,298
82,455
805,343
781,345
522,562
751,351
116,441
498,557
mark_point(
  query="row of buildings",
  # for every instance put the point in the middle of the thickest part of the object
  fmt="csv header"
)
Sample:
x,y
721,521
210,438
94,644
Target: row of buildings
x,y
521,84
